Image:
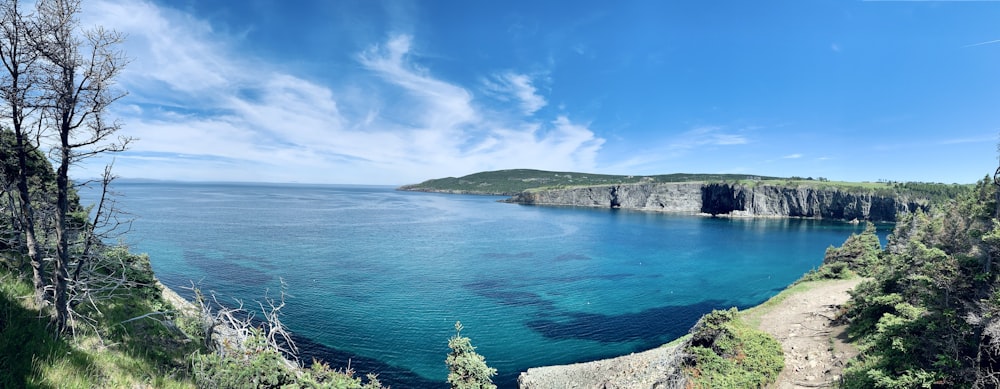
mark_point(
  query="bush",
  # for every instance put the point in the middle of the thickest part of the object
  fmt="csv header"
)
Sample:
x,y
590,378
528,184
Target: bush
x,y
725,352
255,364
829,271
858,252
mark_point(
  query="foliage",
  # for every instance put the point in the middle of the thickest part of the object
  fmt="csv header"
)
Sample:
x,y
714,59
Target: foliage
x,y
828,271
725,352
467,369
921,318
857,252
254,364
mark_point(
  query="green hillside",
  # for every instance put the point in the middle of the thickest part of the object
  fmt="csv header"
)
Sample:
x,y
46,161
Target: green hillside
x,y
509,182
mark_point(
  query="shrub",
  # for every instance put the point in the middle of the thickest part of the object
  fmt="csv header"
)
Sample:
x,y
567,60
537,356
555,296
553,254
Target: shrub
x,y
725,352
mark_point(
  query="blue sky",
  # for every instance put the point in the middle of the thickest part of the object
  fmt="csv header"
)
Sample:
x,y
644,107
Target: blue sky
x,y
396,92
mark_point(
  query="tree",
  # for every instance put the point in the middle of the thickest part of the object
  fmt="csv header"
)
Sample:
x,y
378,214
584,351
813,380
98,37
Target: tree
x,y
468,369
18,89
78,85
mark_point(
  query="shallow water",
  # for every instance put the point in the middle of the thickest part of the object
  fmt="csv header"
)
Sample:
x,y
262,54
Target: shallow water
x,y
379,277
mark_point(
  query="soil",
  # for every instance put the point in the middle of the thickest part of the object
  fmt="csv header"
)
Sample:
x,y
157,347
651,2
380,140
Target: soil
x,y
816,348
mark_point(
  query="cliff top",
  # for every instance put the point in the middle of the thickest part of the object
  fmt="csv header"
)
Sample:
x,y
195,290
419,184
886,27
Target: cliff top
x,y
511,182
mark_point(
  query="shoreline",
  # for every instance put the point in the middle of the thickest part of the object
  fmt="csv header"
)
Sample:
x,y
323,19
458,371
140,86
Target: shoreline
x,y
661,366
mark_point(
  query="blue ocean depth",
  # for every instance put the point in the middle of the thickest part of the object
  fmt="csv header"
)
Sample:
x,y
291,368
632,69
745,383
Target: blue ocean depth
x,y
377,278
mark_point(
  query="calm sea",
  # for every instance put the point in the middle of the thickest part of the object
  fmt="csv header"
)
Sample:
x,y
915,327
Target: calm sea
x,y
379,277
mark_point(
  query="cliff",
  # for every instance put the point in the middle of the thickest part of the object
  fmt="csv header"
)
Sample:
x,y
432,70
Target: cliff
x,y
764,200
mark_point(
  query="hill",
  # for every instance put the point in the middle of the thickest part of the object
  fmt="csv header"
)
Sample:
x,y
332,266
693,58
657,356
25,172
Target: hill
x,y
510,182
515,181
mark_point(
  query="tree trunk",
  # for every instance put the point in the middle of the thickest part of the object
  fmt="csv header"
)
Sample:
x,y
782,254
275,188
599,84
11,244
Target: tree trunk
x,y
59,273
28,216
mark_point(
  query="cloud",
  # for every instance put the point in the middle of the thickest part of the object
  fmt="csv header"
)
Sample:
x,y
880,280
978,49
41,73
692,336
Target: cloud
x,y
503,86
707,136
792,156
203,110
979,139
983,43
704,140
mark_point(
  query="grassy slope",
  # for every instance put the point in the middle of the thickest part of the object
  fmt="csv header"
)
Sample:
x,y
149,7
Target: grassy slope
x,y
140,353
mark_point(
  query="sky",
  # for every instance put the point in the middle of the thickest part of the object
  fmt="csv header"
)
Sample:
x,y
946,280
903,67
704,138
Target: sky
x,y
398,92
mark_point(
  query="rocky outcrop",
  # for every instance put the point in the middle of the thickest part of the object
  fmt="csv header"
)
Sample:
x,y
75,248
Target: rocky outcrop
x,y
761,200
658,368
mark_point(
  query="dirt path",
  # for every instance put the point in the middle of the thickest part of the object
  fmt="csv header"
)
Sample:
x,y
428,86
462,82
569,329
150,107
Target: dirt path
x,y
815,349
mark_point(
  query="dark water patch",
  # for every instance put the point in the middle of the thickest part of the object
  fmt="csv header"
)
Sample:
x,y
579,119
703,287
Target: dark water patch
x,y
519,299
393,376
505,294
231,271
521,255
578,278
489,284
571,257
651,327
262,262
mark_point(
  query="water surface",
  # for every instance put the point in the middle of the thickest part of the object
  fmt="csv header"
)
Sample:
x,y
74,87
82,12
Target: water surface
x,y
380,277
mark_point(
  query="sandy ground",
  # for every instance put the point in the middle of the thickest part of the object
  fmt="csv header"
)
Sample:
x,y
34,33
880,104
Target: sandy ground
x,y
815,349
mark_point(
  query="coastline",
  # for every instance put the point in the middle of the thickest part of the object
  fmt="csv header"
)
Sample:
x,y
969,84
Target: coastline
x,y
183,305
807,359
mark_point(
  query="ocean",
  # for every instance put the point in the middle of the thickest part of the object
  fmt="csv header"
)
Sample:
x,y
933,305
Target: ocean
x,y
377,278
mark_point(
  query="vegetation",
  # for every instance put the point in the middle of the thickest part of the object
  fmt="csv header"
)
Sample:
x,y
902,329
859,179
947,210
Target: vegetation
x,y
510,182
76,312
927,316
725,352
467,369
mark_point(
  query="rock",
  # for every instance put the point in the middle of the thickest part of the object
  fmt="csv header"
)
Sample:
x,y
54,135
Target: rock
x,y
731,199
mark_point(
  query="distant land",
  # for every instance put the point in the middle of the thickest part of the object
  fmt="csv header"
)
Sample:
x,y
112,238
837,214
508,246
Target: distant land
x,y
514,181
739,195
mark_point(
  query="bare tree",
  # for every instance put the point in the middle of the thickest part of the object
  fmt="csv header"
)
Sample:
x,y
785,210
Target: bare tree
x,y
18,89
78,74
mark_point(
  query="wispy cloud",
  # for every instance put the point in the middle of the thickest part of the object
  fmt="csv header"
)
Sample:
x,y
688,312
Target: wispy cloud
x,y
983,43
701,140
205,111
975,139
520,86
792,156
707,136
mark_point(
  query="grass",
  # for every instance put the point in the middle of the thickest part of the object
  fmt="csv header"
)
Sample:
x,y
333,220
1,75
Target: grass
x,y
142,353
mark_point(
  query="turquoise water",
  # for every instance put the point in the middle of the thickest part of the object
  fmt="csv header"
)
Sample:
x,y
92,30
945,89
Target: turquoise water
x,y
379,277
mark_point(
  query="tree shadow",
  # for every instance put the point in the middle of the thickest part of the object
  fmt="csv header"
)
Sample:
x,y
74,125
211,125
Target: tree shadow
x,y
26,345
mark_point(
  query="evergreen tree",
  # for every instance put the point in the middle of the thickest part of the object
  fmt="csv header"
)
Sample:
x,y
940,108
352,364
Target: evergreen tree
x,y
468,369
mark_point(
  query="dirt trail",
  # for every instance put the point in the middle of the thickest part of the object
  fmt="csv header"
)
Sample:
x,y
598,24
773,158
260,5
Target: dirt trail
x,y
815,349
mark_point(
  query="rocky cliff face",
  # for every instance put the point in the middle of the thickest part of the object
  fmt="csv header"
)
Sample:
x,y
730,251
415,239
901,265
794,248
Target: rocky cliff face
x,y
731,199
